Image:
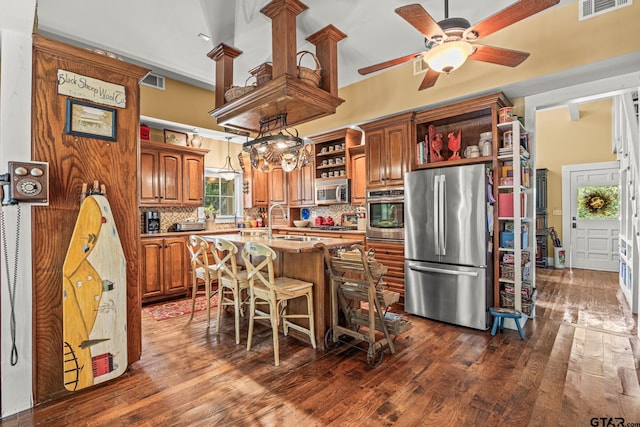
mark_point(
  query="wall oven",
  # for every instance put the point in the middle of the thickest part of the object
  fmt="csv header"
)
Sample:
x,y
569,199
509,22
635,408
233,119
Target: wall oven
x,y
385,214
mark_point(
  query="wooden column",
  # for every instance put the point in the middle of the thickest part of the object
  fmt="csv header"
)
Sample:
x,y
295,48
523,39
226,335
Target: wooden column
x,y
223,55
326,42
283,34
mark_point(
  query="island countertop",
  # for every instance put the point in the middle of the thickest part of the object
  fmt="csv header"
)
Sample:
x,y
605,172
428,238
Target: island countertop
x,y
284,243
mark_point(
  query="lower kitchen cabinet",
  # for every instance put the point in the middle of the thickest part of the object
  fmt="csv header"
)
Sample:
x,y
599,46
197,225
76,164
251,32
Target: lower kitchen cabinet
x,y
164,268
390,255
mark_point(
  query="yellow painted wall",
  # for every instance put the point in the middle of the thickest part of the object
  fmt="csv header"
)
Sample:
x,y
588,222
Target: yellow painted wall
x,y
562,141
183,103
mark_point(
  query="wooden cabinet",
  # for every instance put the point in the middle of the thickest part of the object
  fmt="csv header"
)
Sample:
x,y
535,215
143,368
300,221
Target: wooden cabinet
x,y
358,175
193,180
278,191
255,188
301,186
387,150
392,256
164,267
160,174
171,175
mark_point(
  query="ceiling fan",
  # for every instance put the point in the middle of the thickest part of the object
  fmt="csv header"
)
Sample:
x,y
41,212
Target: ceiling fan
x,y
451,41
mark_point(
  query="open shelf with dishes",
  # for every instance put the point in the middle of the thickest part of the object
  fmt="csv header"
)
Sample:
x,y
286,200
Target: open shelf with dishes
x,y
514,272
332,156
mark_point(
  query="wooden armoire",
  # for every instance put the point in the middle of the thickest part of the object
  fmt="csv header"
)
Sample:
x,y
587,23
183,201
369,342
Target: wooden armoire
x,y
74,160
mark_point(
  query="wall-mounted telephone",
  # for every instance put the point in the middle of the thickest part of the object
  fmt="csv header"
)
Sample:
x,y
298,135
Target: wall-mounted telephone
x,y
26,182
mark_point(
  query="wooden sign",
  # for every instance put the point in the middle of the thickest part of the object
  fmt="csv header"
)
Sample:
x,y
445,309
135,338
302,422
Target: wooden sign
x,y
83,87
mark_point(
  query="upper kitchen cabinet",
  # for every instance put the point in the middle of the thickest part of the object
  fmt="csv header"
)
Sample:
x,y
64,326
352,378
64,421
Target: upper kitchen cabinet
x,y
460,133
193,179
278,190
255,188
387,150
358,175
301,182
171,175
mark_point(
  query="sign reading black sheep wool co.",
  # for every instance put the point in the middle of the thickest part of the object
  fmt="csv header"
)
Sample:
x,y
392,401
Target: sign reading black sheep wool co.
x,y
83,87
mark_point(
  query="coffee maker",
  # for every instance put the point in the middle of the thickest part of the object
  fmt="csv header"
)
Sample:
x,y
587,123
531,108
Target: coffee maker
x,y
151,220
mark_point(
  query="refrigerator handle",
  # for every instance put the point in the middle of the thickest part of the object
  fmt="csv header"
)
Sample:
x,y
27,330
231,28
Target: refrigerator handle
x,y
443,271
436,214
441,208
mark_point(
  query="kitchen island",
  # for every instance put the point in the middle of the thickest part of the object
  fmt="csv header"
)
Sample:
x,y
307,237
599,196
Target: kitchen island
x,y
299,258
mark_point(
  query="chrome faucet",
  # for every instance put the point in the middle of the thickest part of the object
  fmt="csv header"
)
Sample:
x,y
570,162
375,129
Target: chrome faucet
x,y
270,228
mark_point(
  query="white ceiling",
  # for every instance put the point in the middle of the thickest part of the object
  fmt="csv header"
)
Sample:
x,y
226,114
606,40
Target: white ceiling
x,y
162,34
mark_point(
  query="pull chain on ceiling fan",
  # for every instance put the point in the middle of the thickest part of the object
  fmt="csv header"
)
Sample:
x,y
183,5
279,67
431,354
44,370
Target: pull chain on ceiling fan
x,y
451,42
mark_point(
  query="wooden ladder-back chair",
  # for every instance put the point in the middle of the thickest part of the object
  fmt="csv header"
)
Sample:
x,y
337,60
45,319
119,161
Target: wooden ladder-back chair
x,y
275,291
231,280
200,271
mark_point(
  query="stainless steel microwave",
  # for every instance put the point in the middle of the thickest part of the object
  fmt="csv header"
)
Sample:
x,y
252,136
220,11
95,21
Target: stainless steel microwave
x,y
333,192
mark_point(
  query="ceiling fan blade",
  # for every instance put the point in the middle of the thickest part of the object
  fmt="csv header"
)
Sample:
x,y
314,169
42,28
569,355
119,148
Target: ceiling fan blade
x,y
387,64
498,55
510,15
429,79
420,19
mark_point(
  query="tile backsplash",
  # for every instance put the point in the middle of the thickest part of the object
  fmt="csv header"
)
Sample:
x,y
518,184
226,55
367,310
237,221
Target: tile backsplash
x,y
171,215
334,211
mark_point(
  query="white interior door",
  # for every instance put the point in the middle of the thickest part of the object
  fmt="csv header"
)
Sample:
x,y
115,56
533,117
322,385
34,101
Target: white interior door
x,y
592,228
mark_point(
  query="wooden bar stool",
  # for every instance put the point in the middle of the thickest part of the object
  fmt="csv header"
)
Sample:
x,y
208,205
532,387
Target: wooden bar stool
x,y
231,280
499,314
200,271
276,292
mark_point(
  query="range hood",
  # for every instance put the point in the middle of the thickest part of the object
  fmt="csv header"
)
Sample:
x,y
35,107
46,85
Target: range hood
x,y
285,92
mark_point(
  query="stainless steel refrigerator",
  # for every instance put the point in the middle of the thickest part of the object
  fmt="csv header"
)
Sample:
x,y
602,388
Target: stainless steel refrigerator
x,y
448,260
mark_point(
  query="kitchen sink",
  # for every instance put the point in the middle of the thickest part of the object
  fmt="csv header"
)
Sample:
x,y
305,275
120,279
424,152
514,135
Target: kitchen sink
x,y
297,238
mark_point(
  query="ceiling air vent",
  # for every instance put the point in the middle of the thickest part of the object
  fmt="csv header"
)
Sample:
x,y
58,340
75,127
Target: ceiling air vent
x,y
591,8
153,80
419,66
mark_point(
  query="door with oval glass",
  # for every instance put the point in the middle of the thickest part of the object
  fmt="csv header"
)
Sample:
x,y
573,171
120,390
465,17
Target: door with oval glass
x,y
591,230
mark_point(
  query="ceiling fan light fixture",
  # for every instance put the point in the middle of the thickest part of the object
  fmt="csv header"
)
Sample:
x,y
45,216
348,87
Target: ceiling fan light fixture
x,y
446,57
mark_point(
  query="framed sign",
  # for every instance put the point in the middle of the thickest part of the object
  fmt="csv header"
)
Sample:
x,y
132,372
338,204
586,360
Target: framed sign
x,y
174,137
91,121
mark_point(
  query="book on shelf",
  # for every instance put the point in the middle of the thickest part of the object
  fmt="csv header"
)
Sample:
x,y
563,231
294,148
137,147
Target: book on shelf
x,y
422,151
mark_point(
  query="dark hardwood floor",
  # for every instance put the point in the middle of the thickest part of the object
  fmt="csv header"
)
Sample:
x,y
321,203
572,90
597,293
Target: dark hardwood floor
x,y
581,360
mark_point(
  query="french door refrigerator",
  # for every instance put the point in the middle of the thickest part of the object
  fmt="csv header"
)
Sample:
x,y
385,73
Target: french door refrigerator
x,y
448,260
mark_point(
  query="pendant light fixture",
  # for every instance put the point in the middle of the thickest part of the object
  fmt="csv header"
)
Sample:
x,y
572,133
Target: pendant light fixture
x,y
228,172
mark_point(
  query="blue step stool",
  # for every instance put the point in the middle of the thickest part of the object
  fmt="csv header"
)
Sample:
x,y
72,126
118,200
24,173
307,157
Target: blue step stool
x,y
499,314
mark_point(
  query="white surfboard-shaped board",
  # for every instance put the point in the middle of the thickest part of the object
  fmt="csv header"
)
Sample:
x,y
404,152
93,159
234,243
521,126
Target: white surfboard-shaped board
x,y
94,299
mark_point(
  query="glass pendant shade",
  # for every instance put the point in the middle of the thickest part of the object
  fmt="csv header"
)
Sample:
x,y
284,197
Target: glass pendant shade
x,y
446,57
227,172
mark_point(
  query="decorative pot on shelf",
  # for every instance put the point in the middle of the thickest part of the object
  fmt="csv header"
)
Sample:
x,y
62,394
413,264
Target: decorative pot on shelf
x,y
196,141
486,140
